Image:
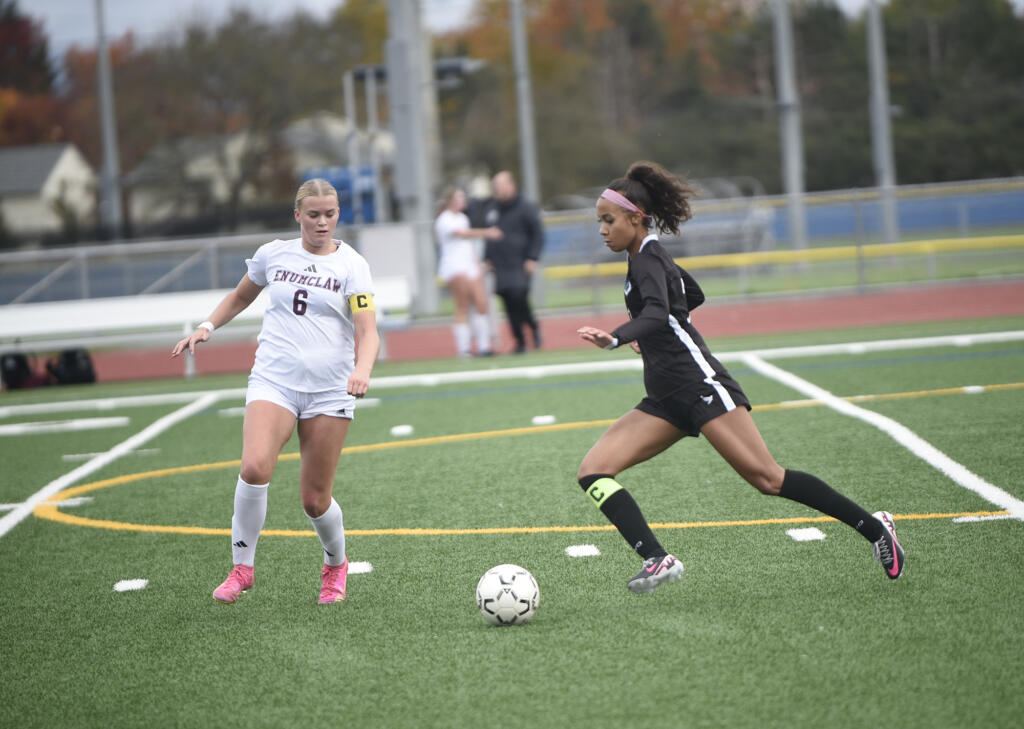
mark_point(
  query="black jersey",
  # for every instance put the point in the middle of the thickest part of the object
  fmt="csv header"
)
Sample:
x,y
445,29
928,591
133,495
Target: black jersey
x,y
659,298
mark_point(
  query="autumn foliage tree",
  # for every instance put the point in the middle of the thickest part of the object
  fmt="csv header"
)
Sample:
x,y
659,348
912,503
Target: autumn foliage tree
x,y
240,82
691,84
29,113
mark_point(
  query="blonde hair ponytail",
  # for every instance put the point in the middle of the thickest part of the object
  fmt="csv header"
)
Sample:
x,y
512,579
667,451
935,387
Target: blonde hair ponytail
x,y
314,188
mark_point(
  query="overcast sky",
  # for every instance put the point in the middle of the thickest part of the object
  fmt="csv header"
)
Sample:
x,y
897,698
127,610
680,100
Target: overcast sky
x,y
70,22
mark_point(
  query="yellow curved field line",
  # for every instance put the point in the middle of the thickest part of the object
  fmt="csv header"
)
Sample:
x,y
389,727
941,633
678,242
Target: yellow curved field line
x,y
50,510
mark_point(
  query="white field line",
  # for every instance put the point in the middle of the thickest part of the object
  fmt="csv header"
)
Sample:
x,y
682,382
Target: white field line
x,y
210,396
74,501
116,403
130,585
69,457
900,433
882,345
15,517
536,372
63,426
807,534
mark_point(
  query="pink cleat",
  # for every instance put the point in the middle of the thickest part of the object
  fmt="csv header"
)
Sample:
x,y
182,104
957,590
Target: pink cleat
x,y
656,571
240,580
887,549
332,587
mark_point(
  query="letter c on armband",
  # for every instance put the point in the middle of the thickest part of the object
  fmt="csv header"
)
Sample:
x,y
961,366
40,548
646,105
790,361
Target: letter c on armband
x,y
361,302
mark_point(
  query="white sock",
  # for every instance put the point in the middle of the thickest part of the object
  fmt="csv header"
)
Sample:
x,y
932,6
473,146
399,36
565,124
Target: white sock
x,y
462,337
331,530
481,331
250,513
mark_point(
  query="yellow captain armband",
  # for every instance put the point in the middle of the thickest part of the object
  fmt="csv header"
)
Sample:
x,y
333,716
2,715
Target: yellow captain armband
x,y
361,302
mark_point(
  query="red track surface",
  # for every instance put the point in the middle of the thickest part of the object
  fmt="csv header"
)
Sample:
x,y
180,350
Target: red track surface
x,y
764,317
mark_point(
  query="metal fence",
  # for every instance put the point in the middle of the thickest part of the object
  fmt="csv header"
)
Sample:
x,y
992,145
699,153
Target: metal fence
x,y
736,225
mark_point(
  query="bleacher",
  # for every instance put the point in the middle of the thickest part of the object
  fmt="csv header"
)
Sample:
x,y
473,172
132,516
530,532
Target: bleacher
x,y
155,319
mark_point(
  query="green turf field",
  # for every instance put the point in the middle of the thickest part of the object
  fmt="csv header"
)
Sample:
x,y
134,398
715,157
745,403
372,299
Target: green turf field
x,y
762,631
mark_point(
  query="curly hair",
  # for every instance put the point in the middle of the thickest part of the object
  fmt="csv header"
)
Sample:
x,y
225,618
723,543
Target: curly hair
x,y
663,196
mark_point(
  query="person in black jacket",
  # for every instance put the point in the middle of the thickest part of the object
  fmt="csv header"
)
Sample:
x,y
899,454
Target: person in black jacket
x,y
689,392
513,258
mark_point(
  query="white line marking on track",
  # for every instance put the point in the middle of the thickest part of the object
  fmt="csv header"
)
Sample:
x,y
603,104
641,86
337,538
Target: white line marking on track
x,y
970,519
63,426
900,433
359,568
543,420
807,534
16,516
129,585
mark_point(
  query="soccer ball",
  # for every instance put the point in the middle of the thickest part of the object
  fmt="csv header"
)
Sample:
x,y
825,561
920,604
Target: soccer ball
x,y
507,595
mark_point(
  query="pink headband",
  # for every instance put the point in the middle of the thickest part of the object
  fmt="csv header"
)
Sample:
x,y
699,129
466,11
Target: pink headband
x,y
621,200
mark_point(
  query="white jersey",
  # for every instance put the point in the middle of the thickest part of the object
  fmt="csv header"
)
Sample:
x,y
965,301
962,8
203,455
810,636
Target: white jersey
x,y
458,255
308,335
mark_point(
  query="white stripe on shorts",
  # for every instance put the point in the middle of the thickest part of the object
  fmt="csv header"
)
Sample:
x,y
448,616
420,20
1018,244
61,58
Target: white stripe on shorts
x,y
702,362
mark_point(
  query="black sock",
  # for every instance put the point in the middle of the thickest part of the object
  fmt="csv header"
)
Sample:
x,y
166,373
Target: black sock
x,y
622,510
813,492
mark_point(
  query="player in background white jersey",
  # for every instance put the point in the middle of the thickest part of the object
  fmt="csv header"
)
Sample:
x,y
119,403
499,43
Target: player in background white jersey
x,y
316,350
460,269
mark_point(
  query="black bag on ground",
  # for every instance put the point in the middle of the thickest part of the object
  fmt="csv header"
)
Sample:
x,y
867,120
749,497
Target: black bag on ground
x,y
72,367
15,369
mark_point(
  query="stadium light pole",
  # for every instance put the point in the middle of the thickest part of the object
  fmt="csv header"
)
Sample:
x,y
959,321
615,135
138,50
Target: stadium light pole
x,y
881,126
790,134
348,85
524,99
412,101
380,206
110,175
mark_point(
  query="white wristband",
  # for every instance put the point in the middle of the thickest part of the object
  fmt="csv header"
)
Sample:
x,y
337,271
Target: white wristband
x,y
614,343
207,325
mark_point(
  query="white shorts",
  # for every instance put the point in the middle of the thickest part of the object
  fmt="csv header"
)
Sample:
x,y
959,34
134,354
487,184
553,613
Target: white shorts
x,y
335,403
458,265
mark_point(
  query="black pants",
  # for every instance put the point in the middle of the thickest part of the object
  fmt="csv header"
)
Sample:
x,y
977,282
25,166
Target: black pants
x,y
517,308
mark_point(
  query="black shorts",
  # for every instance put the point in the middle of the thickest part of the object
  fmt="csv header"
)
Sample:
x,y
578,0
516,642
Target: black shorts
x,y
689,408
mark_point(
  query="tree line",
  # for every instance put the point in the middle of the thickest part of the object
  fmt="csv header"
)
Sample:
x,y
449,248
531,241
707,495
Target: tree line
x,y
690,84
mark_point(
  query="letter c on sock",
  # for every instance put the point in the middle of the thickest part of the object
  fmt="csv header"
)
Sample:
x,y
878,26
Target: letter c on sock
x,y
601,489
